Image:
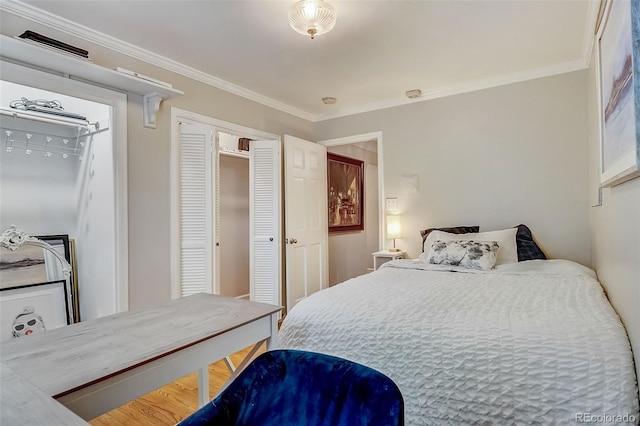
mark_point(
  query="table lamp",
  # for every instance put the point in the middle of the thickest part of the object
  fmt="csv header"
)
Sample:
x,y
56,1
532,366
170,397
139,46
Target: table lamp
x,y
393,230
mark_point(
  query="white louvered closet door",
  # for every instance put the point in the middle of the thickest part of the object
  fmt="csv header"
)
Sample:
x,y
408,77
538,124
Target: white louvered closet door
x,y
196,209
265,222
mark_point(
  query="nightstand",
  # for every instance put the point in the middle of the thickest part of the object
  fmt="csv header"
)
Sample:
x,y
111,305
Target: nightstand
x,y
381,257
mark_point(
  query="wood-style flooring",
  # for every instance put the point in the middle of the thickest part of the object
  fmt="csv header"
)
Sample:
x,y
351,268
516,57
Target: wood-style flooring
x,y
171,403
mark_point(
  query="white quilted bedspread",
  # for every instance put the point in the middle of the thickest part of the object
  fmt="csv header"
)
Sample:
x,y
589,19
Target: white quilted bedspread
x,y
530,344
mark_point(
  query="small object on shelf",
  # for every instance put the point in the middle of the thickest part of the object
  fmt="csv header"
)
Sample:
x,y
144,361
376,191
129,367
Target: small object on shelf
x,y
243,144
143,77
39,38
44,106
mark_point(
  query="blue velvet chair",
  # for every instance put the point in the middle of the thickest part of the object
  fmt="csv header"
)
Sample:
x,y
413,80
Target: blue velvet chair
x,y
290,387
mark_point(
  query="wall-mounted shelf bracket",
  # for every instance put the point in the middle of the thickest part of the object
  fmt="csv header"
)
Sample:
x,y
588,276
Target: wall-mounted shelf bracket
x,y
150,107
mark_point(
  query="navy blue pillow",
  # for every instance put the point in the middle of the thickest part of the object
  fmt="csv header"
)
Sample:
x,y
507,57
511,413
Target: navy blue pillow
x,y
527,248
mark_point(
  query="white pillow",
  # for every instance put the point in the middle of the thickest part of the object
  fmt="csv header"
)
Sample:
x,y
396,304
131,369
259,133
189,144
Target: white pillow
x,y
506,239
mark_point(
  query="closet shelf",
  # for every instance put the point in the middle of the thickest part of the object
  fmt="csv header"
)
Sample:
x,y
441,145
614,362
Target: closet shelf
x,y
20,115
27,53
233,153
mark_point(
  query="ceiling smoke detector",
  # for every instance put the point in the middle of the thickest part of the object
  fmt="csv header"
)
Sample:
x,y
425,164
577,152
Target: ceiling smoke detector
x,y
412,94
329,100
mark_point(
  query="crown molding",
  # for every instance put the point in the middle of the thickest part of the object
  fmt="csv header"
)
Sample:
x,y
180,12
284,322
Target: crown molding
x,y
55,22
66,26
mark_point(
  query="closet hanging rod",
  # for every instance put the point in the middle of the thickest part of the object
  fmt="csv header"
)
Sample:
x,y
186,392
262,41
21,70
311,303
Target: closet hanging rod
x,y
51,120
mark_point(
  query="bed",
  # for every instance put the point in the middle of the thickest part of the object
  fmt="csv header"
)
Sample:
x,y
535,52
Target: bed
x,y
525,342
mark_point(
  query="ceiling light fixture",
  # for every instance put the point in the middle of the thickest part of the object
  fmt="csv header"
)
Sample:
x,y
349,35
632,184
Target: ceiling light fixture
x,y
329,100
312,17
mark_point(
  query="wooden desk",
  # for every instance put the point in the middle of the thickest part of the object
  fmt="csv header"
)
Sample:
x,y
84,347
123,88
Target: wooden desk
x,y
94,366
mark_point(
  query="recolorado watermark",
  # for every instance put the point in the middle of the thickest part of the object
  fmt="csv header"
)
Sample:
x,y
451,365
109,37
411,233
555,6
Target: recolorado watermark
x,y
605,418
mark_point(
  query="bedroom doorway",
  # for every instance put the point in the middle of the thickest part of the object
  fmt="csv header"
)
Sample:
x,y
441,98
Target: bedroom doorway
x,y
350,252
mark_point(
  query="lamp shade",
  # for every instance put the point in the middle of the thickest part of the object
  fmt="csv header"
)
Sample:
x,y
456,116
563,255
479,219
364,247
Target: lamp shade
x,y
312,17
393,227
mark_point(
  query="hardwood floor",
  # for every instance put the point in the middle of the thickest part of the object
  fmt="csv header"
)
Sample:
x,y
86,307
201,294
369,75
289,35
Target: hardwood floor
x,y
171,403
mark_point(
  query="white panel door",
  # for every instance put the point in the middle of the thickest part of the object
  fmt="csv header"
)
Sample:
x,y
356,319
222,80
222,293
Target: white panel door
x,y
306,218
196,209
264,224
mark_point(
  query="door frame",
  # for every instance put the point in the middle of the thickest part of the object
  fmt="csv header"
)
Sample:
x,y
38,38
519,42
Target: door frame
x,y
366,137
41,79
177,116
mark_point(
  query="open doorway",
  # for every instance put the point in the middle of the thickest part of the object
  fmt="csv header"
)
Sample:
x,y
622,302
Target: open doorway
x,y
233,204
60,179
223,191
350,252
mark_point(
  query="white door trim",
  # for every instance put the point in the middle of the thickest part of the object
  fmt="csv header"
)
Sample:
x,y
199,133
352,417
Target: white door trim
x,y
118,101
365,137
177,116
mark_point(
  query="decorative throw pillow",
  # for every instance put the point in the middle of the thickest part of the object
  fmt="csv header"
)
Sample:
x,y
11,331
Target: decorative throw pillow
x,y
527,247
506,239
452,230
466,253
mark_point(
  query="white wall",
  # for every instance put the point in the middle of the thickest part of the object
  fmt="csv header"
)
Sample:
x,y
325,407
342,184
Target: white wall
x,y
350,252
615,233
495,158
95,236
36,193
234,226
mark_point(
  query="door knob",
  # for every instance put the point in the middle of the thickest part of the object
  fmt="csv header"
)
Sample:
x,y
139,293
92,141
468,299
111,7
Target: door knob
x,y
292,241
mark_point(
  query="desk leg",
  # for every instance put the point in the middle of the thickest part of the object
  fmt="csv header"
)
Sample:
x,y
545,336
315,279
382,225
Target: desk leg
x,y
203,386
272,341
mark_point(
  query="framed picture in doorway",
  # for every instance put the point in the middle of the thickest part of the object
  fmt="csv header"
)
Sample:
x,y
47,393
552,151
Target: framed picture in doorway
x,y
62,244
33,309
345,184
618,71
31,265
22,267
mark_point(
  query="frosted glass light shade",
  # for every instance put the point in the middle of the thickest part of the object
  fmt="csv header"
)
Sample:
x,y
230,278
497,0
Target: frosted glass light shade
x,y
393,227
312,17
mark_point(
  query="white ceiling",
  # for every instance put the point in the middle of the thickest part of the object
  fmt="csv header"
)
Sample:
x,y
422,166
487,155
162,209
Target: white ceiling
x,y
376,52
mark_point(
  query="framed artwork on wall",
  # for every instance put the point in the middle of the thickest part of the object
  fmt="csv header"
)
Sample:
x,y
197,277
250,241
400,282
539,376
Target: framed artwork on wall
x,y
618,70
345,184
32,309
